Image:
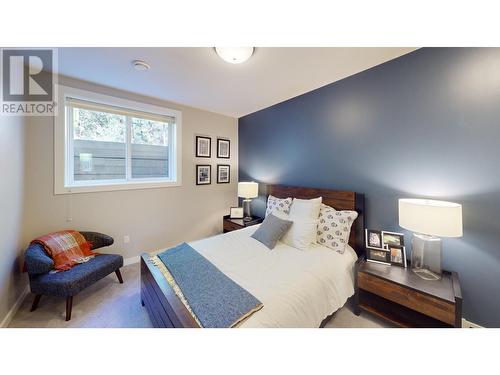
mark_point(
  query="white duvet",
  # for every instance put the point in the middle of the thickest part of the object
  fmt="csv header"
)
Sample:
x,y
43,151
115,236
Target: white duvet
x,y
298,288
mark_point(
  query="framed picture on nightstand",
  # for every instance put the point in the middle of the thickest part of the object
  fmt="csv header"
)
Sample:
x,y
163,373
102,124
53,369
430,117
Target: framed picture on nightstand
x,y
381,256
236,213
398,255
392,238
373,239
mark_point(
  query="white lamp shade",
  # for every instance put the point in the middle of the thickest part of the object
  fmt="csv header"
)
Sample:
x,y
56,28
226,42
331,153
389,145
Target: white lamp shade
x,y
248,190
436,218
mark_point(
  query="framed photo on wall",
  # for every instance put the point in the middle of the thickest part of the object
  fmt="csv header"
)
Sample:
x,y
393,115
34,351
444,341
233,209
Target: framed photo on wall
x,y
203,147
203,174
223,148
223,173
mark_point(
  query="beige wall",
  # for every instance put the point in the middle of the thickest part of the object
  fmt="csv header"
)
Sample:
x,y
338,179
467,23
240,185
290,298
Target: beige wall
x,y
12,151
153,218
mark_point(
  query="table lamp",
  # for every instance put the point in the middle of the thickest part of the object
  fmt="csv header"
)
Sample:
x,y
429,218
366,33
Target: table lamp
x,y
247,190
429,220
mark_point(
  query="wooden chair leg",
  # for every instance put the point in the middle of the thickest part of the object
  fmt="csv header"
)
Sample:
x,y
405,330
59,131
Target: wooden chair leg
x,y
119,275
35,302
69,306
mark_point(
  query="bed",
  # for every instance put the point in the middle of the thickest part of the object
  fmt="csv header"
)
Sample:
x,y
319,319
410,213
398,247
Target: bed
x,y
298,288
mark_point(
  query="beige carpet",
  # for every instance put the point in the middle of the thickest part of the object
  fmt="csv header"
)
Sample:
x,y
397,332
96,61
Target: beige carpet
x,y
108,304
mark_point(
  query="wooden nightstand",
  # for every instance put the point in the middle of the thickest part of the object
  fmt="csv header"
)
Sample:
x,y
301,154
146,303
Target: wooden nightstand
x,y
229,225
398,295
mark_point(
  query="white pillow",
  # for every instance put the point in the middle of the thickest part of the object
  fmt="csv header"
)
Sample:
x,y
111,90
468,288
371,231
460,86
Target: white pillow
x,y
306,208
277,204
334,227
302,233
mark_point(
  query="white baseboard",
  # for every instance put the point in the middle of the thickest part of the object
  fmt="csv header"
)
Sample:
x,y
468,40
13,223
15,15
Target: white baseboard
x,y
131,260
14,308
467,324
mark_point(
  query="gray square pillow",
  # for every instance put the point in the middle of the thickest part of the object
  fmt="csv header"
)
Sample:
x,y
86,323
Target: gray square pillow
x,y
271,230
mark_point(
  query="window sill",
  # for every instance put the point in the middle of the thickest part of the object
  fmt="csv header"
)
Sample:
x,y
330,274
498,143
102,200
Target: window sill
x,y
115,187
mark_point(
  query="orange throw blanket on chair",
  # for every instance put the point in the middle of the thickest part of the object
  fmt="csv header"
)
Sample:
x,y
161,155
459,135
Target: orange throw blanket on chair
x,y
66,248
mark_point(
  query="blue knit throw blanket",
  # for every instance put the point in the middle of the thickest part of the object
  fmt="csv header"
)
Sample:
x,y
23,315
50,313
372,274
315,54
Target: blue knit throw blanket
x,y
216,300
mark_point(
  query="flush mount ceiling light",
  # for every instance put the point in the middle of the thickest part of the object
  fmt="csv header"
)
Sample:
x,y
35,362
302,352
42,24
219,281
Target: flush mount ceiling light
x,y
234,55
140,65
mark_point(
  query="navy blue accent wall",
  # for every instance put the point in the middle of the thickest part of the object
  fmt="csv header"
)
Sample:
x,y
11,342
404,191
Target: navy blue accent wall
x,y
424,125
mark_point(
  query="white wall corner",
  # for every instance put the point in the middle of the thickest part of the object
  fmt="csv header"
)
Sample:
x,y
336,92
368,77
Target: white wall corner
x,y
8,318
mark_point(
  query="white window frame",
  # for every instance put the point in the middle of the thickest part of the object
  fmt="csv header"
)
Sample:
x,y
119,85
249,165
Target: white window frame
x,y
62,145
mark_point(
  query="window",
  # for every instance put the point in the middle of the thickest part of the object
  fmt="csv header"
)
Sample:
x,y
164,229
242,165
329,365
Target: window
x,y
106,143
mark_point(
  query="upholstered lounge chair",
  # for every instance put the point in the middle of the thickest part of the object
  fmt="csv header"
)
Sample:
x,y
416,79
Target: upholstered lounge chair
x,y
68,283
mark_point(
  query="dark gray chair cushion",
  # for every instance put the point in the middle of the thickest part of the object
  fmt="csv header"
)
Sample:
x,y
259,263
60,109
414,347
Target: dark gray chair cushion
x,y
271,230
68,283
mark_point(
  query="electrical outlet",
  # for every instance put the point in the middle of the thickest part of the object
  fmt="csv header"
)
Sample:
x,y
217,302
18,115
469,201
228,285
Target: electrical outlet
x,y
126,238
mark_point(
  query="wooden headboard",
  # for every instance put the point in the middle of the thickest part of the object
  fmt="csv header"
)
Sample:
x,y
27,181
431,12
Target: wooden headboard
x,y
340,200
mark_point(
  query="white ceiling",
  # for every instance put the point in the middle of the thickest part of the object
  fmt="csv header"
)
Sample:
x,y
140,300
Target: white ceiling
x,y
199,78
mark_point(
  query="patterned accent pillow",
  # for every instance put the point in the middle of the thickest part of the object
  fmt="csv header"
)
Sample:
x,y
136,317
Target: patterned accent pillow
x,y
334,227
278,204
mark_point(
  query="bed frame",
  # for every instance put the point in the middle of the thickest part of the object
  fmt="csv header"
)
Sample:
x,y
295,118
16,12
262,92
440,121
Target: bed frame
x,y
166,310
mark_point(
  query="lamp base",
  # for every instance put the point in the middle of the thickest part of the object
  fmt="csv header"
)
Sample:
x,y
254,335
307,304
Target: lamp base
x,y
246,210
426,256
